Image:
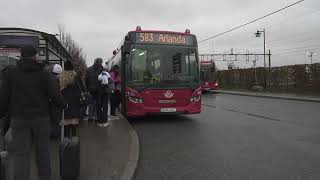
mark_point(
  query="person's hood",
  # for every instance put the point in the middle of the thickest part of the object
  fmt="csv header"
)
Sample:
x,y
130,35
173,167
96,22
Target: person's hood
x,y
66,78
30,65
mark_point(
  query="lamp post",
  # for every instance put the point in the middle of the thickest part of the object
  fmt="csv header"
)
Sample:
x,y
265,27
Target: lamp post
x,y
311,55
258,34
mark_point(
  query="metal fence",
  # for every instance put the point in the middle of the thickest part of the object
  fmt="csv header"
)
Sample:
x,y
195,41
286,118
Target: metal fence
x,y
295,78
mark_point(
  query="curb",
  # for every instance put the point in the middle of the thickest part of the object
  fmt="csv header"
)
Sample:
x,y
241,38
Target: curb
x,y
132,163
267,96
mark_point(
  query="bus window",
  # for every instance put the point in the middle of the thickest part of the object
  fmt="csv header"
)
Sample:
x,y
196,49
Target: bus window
x,y
139,65
156,65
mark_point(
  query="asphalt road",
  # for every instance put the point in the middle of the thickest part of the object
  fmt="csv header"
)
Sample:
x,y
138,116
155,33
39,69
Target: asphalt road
x,y
234,138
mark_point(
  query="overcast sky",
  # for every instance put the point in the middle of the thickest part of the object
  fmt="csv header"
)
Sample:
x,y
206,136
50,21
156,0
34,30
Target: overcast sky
x,y
99,25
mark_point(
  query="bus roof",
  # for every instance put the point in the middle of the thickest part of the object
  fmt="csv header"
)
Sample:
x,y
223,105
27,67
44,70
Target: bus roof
x,y
51,38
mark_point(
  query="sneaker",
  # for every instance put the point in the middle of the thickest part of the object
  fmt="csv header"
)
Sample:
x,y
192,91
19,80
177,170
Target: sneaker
x,y
106,124
111,118
100,124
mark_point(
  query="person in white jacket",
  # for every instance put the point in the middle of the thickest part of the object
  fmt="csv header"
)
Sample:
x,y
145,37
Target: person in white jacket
x,y
103,98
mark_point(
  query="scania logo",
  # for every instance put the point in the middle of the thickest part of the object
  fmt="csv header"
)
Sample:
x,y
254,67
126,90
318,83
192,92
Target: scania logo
x,y
168,94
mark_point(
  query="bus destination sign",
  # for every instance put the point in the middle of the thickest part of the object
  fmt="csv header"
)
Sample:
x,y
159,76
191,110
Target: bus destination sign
x,y
161,38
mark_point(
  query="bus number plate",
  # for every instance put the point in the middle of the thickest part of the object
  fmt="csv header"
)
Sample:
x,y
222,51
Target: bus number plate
x,y
168,110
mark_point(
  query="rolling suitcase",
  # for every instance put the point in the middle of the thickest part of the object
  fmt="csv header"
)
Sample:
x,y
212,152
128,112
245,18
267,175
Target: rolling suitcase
x,y
69,156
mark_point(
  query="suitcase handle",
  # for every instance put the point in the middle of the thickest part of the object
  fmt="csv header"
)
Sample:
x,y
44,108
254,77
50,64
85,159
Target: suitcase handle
x,y
3,144
62,125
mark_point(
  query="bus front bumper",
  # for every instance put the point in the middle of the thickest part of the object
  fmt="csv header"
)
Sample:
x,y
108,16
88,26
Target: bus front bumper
x,y
134,110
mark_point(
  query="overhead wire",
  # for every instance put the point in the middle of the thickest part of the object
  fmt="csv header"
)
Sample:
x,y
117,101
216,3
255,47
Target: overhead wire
x,y
250,22
284,38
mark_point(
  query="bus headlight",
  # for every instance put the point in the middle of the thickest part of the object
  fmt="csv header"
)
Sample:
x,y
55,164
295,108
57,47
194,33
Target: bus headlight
x,y
136,100
195,98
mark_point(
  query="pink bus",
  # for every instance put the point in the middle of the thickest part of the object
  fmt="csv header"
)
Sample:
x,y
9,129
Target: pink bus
x,y
160,73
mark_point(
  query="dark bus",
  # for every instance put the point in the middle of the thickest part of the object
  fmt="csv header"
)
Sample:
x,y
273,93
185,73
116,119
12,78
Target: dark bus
x,y
159,73
208,75
50,50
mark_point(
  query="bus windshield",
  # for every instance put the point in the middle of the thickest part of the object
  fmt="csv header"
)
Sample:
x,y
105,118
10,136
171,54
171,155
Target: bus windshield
x,y
163,66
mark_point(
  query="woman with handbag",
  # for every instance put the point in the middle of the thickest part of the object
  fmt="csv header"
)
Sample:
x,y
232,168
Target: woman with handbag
x,y
71,87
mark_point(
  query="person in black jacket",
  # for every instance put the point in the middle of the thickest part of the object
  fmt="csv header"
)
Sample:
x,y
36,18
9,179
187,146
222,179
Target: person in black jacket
x,y
92,84
70,86
25,94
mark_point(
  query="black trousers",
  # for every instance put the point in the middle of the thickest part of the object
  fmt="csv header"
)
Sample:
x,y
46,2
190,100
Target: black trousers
x,y
24,132
70,130
115,102
102,108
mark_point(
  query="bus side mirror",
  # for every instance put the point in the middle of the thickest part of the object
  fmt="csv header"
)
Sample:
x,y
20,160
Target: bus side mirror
x,y
126,47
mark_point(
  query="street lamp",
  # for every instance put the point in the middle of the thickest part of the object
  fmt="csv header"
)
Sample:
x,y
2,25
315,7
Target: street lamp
x,y
311,55
258,34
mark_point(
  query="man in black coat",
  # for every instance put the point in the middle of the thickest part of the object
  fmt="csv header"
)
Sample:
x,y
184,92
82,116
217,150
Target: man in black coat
x,y
25,94
92,84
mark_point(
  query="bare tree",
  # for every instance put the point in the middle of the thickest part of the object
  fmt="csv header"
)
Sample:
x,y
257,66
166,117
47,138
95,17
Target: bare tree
x,y
77,53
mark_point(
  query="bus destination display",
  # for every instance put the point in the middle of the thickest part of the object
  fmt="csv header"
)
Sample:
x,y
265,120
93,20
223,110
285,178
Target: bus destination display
x,y
159,38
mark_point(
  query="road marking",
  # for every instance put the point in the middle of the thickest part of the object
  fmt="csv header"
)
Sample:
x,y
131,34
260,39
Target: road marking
x,y
240,112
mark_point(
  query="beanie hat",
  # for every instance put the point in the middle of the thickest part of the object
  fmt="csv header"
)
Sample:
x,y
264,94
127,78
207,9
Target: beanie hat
x,y
57,69
28,51
68,66
98,61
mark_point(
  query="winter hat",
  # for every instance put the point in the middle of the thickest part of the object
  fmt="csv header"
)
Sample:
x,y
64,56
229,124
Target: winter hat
x,y
68,66
28,51
98,61
57,69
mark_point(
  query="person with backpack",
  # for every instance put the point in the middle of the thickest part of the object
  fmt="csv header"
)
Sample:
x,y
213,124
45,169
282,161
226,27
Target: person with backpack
x,y
25,94
103,98
70,86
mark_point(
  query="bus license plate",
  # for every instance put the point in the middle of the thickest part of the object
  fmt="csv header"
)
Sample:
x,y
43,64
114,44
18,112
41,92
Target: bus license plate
x,y
168,110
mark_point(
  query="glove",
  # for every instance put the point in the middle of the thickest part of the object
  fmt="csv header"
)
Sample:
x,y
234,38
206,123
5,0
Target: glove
x,y
66,106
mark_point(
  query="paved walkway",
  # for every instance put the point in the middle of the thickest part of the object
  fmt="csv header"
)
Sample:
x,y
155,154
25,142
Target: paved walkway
x,y
288,96
104,151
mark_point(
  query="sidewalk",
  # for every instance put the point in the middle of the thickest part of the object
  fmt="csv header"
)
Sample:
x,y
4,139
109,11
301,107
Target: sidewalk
x,y
106,153
287,96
